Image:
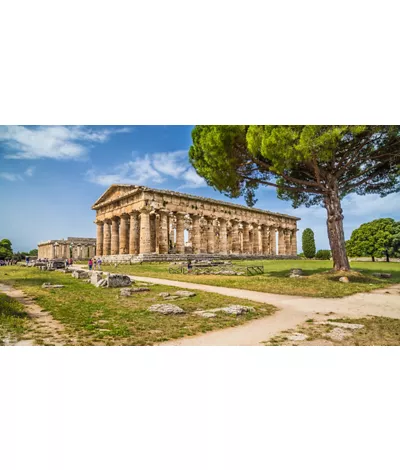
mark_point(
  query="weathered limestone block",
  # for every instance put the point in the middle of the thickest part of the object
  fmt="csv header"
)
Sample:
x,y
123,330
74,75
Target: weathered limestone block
x,y
95,278
382,275
184,293
237,309
118,280
102,283
344,279
166,309
80,274
48,285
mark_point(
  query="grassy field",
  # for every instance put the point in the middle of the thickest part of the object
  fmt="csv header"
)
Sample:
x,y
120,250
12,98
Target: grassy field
x,y
100,316
377,331
318,282
14,322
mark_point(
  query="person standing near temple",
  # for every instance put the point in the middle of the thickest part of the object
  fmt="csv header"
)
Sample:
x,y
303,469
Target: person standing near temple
x,y
99,264
90,264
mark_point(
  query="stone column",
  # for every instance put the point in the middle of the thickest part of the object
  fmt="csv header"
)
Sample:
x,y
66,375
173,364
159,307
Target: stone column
x,y
210,236
246,239
163,239
99,237
288,244
124,235
223,237
281,241
52,251
196,234
180,232
107,237
172,240
264,240
235,237
272,235
294,242
115,236
134,233
145,231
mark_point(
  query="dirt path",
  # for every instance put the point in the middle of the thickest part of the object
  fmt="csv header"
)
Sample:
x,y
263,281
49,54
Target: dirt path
x,y
293,310
44,327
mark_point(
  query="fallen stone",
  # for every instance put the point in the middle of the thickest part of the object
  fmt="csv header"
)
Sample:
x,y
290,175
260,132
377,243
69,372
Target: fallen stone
x,y
118,280
164,294
348,326
80,274
296,272
95,278
206,314
48,285
166,309
102,283
338,334
344,279
297,337
126,292
184,293
237,309
172,297
382,275
140,289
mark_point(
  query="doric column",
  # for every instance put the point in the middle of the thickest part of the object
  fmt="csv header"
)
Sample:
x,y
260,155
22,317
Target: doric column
x,y
172,240
246,239
264,239
223,237
180,232
196,233
273,240
163,238
281,241
124,235
235,237
288,245
107,237
294,242
203,235
210,236
115,236
144,231
134,233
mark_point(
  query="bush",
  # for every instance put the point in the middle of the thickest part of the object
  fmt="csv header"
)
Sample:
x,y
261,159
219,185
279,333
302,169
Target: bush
x,y
308,243
323,254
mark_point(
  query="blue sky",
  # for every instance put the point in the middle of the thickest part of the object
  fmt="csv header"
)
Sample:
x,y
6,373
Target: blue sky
x,y
51,175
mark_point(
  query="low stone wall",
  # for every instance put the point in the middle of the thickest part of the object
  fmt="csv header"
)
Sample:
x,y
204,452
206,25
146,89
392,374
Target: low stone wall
x,y
148,258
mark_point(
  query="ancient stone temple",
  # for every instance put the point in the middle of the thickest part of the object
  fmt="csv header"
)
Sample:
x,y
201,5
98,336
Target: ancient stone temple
x,y
143,223
78,248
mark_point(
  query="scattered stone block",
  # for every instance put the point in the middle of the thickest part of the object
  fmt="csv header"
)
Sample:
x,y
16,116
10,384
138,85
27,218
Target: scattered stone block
x,y
166,309
78,274
296,272
382,275
140,289
126,292
164,294
102,283
184,293
48,285
237,309
344,279
338,334
348,326
118,280
297,337
206,314
95,278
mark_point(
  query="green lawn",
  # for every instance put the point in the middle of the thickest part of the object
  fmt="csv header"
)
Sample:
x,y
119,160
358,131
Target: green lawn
x,y
14,321
100,316
276,279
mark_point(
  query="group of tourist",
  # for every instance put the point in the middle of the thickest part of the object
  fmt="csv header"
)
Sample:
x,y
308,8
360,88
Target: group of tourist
x,y
8,262
92,263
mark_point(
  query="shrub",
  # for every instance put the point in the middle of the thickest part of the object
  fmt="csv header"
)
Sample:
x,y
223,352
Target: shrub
x,y
323,254
308,243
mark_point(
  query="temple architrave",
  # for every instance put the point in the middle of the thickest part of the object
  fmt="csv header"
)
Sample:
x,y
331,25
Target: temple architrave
x,y
136,221
77,248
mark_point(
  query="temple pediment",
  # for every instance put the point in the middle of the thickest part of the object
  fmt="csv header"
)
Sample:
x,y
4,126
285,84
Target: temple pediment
x,y
114,192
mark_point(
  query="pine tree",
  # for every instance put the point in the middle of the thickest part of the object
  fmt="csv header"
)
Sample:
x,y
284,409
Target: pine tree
x,y
308,243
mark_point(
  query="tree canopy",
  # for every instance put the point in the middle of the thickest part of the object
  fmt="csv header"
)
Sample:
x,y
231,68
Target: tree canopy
x,y
308,243
307,164
5,249
375,239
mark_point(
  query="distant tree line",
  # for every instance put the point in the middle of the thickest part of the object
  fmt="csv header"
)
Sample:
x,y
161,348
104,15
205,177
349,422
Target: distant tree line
x,y
6,251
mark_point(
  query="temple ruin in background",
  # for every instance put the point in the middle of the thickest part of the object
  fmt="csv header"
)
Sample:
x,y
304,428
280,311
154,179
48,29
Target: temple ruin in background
x,y
136,221
77,248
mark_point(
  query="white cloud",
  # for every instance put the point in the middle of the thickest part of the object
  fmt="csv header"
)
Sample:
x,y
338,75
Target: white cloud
x,y
17,176
151,169
56,142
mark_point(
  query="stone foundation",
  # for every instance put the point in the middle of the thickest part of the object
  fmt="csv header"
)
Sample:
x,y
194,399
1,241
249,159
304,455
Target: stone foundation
x,y
148,258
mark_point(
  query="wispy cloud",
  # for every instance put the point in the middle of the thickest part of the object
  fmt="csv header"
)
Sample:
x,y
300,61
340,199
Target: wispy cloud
x,y
17,176
55,142
154,168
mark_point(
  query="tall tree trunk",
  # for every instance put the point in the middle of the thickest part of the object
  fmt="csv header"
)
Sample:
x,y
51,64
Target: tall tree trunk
x,y
373,258
334,224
